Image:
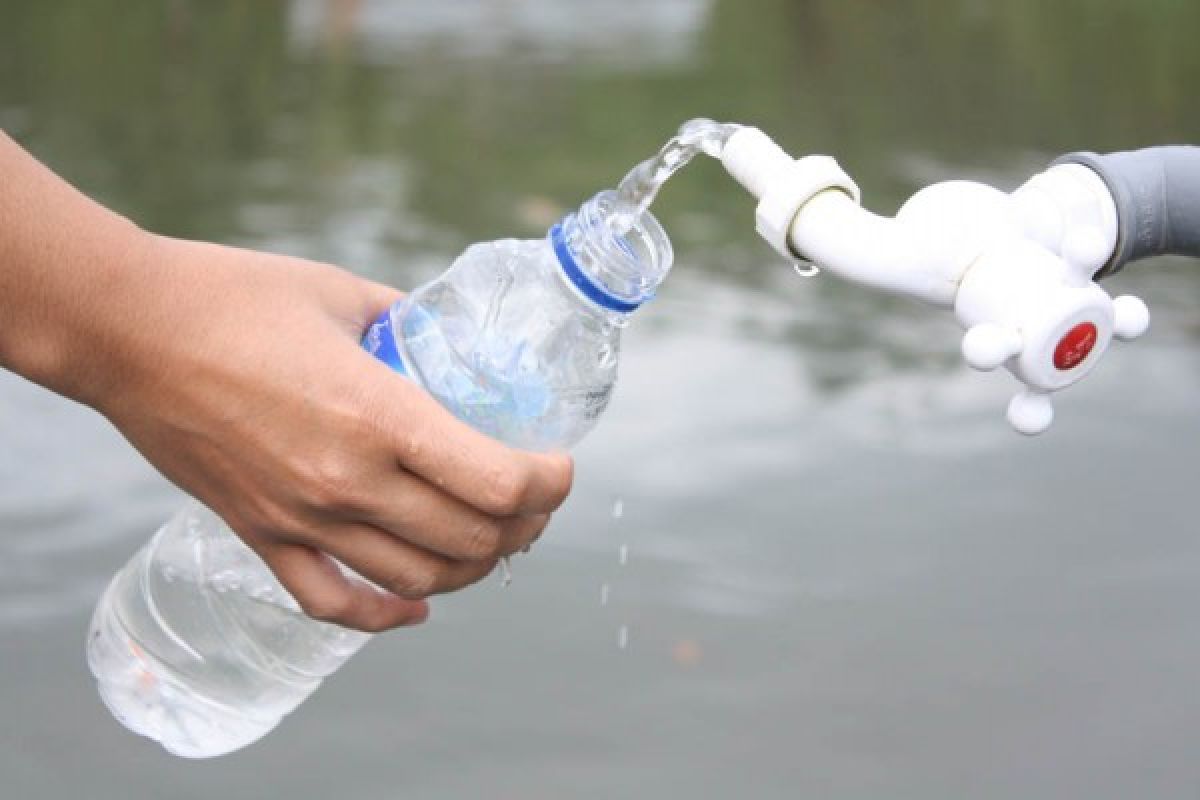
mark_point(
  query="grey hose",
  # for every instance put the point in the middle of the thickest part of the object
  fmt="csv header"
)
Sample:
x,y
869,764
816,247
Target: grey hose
x,y
1157,193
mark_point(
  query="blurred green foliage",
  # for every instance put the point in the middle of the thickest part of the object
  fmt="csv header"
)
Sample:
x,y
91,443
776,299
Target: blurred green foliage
x,y
164,109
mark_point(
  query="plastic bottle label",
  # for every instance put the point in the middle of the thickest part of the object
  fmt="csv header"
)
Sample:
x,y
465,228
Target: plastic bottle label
x,y
380,341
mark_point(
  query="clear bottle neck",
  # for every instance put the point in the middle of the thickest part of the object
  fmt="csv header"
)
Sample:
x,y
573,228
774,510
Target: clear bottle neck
x,y
616,261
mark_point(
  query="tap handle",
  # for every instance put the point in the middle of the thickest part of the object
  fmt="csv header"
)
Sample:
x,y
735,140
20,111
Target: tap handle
x,y
1033,311
987,345
1030,412
1131,318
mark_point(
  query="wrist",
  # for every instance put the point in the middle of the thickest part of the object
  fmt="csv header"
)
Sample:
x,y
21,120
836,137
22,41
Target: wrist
x,y
71,339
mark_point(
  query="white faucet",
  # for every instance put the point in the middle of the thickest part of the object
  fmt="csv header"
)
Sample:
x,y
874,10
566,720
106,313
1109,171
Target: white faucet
x,y
1017,269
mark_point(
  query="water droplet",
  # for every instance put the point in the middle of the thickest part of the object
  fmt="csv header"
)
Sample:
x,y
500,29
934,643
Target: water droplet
x,y
604,589
618,509
623,637
505,572
806,269
623,555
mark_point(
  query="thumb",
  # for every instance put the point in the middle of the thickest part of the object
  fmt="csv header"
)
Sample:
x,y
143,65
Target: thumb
x,y
366,303
379,297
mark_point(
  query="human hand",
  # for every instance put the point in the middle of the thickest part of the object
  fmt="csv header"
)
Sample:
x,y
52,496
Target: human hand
x,y
239,375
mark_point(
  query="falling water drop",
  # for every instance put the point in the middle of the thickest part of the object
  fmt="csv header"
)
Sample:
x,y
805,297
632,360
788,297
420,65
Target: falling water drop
x,y
806,269
618,509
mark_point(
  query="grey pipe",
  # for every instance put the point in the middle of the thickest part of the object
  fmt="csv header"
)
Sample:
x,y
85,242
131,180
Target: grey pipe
x,y
1157,194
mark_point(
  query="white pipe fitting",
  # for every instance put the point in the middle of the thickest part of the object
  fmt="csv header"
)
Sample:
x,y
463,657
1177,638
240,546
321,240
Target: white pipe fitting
x,y
809,209
782,185
1055,206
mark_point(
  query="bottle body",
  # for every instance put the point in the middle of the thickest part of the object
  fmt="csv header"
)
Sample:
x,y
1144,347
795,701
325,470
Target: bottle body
x,y
195,643
502,342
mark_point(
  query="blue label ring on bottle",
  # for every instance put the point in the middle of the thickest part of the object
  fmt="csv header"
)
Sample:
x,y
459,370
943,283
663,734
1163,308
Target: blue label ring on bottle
x,y
380,341
589,288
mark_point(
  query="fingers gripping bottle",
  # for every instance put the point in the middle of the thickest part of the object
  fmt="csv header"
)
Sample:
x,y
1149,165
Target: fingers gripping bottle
x,y
196,645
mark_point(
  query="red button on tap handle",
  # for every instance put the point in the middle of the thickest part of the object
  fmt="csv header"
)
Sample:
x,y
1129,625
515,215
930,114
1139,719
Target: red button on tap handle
x,y
1075,346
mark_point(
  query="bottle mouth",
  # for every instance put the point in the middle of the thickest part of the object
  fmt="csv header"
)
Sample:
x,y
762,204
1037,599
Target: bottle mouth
x,y
617,261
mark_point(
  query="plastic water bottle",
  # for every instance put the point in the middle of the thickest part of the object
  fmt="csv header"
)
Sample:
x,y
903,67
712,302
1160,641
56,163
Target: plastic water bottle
x,y
196,645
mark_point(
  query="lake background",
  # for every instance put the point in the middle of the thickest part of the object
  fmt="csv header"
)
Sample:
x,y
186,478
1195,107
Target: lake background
x,y
847,577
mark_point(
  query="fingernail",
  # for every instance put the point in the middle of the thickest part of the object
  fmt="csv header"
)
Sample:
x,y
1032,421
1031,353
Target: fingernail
x,y
420,614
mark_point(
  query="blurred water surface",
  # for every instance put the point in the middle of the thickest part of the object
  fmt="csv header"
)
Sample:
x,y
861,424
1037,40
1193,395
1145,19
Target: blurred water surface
x,y
847,578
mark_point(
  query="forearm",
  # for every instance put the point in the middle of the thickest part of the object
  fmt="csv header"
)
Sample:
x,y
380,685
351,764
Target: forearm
x,y
66,262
